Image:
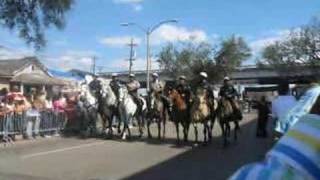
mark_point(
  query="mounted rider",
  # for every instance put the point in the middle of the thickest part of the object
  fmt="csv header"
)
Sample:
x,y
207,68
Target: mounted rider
x,y
204,84
115,85
133,85
228,92
184,89
95,86
157,88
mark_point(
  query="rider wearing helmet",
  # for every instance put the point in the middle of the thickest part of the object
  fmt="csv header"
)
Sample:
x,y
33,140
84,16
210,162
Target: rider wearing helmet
x,y
205,84
115,84
230,93
95,86
184,89
157,87
133,85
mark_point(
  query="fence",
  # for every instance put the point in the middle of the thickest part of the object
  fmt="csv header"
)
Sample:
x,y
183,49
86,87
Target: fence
x,y
30,124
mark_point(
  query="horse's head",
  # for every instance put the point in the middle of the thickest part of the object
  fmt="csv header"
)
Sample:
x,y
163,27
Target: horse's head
x,y
123,92
177,100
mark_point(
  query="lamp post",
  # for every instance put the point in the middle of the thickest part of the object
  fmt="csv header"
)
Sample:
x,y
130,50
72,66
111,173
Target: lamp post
x,y
148,31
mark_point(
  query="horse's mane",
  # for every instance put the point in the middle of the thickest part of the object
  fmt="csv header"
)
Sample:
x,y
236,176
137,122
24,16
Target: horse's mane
x,y
225,107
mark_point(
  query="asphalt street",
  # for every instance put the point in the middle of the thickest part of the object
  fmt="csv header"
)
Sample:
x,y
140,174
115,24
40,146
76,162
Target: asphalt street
x,y
99,159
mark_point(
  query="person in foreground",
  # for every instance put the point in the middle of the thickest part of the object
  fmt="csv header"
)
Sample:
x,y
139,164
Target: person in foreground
x,y
295,156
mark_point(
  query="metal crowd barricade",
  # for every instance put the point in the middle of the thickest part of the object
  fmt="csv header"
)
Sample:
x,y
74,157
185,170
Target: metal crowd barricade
x,y
51,122
48,122
7,127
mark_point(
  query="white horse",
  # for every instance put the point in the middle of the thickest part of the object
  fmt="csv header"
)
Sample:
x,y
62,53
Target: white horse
x,y
88,107
109,104
128,110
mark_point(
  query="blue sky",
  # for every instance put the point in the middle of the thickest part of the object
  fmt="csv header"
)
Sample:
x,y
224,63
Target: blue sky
x,y
93,28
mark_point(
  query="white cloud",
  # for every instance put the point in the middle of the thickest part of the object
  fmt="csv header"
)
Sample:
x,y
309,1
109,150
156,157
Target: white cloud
x,y
172,33
71,60
138,7
135,4
260,43
119,41
8,53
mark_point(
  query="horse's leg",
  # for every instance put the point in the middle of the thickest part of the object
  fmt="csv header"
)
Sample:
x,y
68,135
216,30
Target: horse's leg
x,y
129,131
228,128
185,130
205,131
159,127
213,120
148,126
139,118
177,131
195,132
236,123
164,120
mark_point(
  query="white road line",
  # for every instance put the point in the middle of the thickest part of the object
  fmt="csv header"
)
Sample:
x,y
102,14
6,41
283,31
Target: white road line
x,y
61,150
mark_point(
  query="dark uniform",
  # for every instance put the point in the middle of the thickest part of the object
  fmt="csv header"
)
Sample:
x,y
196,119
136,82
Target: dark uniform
x,y
185,91
95,87
115,85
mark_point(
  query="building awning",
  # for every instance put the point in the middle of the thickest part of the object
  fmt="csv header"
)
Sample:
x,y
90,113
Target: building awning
x,y
37,79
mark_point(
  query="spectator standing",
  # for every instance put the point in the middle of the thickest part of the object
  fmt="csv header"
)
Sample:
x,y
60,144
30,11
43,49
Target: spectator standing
x,y
263,116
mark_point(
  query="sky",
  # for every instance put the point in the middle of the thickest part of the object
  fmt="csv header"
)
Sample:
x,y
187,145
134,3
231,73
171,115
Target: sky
x,y
93,29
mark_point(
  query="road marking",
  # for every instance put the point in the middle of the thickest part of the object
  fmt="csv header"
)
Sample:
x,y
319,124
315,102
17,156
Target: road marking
x,y
61,150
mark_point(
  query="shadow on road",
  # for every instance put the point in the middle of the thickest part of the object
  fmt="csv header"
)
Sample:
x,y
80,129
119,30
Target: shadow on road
x,y
209,162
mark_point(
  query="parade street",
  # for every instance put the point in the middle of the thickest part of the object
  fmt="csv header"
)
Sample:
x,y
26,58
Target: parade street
x,y
99,159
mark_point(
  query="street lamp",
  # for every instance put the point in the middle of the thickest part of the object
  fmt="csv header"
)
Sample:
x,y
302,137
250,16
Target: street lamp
x,y
148,31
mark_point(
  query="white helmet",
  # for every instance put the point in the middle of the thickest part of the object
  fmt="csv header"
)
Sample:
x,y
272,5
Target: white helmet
x,y
132,75
114,74
182,77
204,74
155,75
226,78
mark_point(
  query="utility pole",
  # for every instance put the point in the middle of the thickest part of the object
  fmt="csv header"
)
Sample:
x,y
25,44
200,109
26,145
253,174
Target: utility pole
x,y
131,57
94,64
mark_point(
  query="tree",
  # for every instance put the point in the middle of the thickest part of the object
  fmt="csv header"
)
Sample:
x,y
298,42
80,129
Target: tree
x,y
301,48
190,59
31,17
232,52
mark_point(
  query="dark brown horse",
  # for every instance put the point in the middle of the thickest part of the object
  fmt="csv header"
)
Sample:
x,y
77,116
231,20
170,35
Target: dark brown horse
x,y
180,113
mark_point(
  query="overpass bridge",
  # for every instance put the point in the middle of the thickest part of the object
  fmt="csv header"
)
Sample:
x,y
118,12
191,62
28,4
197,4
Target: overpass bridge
x,y
243,75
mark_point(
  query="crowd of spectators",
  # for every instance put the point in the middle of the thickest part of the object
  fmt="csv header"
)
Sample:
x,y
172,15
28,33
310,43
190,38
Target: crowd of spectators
x,y
34,113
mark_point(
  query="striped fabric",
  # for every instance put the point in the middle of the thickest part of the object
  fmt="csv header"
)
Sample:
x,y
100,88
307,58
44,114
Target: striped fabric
x,y
296,155
302,107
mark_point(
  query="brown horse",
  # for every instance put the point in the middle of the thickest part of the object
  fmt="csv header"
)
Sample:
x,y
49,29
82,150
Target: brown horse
x,y
227,114
180,113
201,112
